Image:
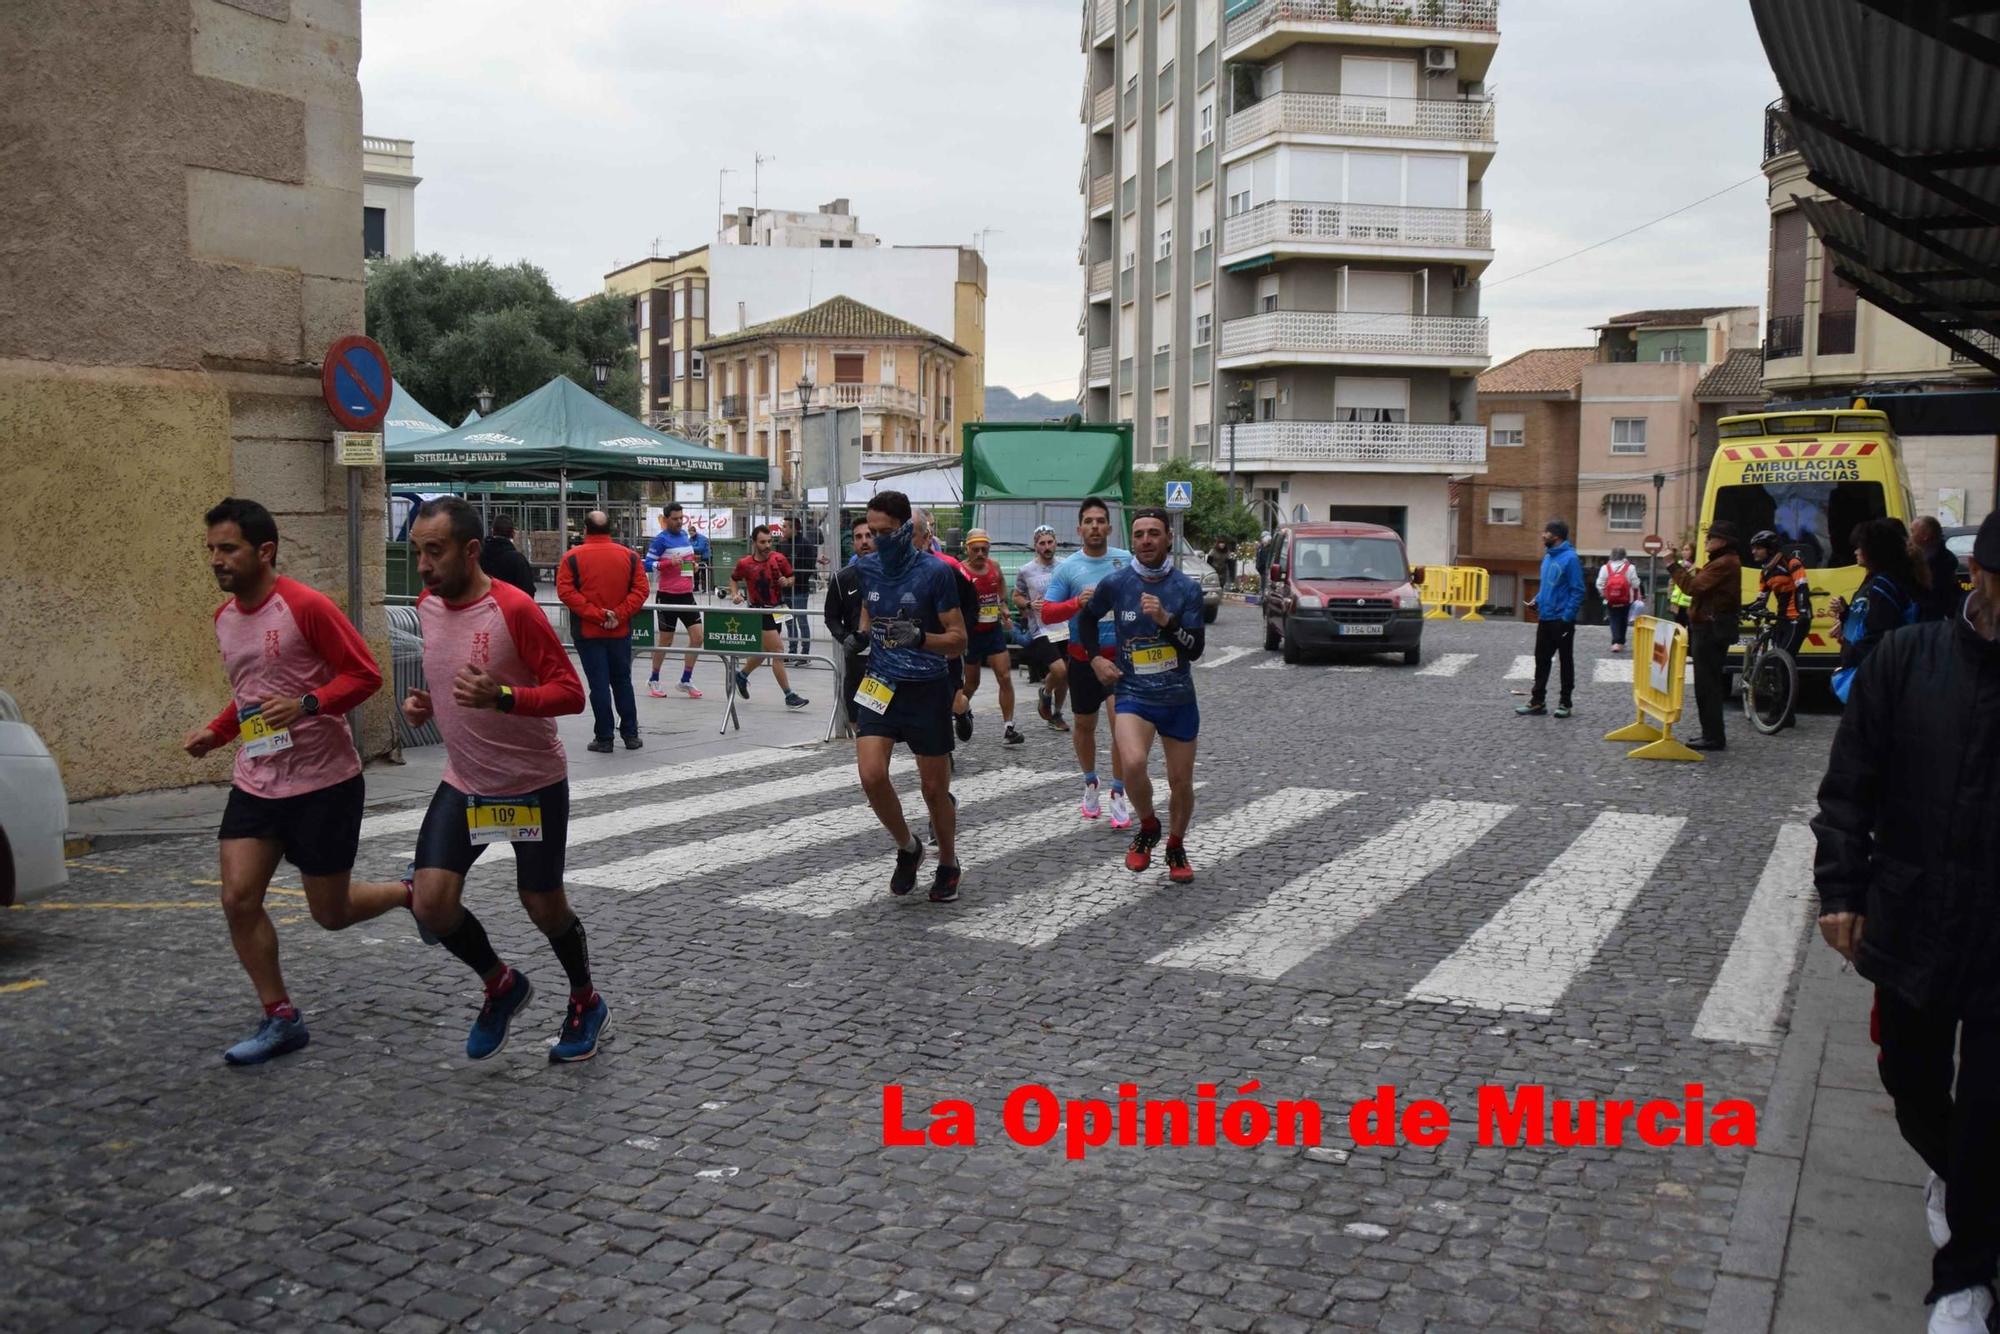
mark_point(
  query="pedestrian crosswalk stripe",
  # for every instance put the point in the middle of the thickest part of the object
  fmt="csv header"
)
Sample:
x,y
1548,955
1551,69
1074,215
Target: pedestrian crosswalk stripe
x,y
1527,954
1223,657
1273,665
979,845
1040,915
1618,672
661,815
612,785
1743,1004
1313,911
1523,668
1446,664
688,861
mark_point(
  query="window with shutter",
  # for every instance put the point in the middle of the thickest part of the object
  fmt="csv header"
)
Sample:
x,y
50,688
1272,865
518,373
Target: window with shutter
x,y
848,367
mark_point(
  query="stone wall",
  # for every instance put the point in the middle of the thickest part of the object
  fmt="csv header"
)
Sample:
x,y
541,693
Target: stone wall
x,y
182,240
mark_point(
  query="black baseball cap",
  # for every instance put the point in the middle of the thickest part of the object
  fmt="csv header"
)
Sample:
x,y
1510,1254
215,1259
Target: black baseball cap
x,y
1986,546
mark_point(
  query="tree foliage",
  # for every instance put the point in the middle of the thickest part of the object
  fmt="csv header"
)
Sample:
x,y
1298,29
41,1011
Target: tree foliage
x,y
1212,516
451,327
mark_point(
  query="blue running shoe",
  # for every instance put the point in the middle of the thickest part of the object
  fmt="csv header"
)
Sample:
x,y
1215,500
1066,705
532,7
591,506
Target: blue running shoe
x,y
489,1030
273,1038
743,685
582,1029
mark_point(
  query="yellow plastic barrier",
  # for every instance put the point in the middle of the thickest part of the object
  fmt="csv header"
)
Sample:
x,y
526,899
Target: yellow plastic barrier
x,y
1454,586
1659,684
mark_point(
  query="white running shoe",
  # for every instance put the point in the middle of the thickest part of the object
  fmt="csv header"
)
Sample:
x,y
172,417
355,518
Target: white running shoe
x,y
1934,1210
1961,1312
1091,810
1121,811
654,689
687,688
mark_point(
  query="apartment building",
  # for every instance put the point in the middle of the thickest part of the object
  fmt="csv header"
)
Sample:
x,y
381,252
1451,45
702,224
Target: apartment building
x,y
902,376
669,319
1824,344
389,184
1283,233
832,226
1530,406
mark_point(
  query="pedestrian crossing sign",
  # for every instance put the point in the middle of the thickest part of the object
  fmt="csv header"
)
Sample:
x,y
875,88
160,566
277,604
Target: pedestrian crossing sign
x,y
1180,495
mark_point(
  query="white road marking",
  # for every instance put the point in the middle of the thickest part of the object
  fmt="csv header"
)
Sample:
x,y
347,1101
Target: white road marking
x,y
1618,672
1313,911
612,785
1743,1004
1446,664
1523,668
979,845
1528,953
1224,657
689,861
663,815
1038,916
1275,664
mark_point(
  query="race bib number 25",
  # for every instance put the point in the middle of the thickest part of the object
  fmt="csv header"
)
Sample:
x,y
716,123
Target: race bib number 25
x,y
258,737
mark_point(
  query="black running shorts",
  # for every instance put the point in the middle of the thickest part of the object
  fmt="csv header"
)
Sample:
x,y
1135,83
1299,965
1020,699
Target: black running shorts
x,y
1086,693
919,716
446,843
320,830
689,619
1042,655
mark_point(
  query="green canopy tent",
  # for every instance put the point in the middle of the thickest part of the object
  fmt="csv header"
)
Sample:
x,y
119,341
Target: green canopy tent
x,y
408,422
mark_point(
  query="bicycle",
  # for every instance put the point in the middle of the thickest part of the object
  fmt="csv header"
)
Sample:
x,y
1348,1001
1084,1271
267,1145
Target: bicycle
x,y
1770,674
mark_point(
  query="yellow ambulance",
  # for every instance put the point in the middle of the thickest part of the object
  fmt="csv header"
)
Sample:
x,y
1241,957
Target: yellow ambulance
x,y
1810,476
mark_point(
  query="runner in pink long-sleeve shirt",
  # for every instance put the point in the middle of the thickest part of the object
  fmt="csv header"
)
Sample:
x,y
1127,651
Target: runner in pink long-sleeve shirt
x,y
295,667
499,679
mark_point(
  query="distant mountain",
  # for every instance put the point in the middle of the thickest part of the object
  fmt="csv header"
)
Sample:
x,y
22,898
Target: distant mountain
x,y
1004,405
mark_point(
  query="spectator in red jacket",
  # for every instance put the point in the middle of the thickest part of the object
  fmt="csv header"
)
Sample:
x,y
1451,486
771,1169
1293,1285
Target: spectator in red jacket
x,y
604,584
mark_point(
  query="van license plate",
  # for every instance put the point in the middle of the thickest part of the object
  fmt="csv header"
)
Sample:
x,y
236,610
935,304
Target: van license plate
x,y
1361,629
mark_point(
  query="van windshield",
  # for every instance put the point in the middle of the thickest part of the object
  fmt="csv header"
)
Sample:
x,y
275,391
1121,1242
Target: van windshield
x,y
1011,523
1814,518
1376,558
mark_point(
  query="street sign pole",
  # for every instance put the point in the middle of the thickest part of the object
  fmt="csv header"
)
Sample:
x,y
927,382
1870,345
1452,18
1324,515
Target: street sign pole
x,y
356,384
1653,544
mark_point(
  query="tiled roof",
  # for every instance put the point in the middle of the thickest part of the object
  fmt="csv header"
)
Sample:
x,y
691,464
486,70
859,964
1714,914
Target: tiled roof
x,y
836,317
1540,370
1666,318
1738,376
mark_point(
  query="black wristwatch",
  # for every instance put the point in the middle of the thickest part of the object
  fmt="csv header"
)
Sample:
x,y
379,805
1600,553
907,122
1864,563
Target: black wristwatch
x,y
309,705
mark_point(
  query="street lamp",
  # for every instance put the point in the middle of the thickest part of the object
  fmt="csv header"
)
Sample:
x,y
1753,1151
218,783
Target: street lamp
x,y
484,398
1236,410
600,372
805,388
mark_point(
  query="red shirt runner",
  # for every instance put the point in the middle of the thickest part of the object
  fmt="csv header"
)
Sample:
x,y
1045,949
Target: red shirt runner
x,y
489,753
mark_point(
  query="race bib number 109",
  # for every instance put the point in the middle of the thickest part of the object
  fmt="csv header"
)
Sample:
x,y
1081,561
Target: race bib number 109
x,y
504,819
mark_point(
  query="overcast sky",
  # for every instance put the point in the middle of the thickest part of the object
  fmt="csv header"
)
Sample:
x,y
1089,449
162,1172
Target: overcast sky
x,y
573,135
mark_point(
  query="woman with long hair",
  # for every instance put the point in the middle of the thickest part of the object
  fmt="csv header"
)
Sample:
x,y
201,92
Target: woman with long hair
x,y
1888,596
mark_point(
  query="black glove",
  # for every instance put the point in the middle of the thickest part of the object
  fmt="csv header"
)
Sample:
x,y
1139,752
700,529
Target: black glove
x,y
855,644
902,634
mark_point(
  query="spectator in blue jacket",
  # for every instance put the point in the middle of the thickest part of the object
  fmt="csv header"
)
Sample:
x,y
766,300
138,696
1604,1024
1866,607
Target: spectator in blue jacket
x,y
1556,604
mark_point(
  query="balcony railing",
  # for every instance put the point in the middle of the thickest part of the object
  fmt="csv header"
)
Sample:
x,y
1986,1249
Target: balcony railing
x,y
1362,444
1784,336
1100,278
1302,223
1980,339
1836,333
1777,137
1463,118
1104,20
1100,192
1100,363
868,397
1356,332
1469,15
732,407
1102,105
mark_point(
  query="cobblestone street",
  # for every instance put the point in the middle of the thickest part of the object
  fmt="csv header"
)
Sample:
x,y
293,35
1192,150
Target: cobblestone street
x,y
1399,883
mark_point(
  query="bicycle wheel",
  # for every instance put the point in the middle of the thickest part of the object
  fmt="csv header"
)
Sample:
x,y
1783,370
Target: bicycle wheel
x,y
1770,687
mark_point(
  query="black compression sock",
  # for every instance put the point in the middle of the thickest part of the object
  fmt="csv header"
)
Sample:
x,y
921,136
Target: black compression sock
x,y
571,949
468,944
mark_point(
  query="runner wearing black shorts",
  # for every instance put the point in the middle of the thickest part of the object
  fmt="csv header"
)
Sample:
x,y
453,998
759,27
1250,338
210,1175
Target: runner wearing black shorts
x,y
506,776
914,623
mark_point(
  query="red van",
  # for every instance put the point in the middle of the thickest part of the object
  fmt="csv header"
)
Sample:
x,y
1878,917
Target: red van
x,y
1342,588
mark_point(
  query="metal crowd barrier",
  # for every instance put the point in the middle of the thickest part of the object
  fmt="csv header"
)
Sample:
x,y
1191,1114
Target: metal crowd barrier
x,y
407,647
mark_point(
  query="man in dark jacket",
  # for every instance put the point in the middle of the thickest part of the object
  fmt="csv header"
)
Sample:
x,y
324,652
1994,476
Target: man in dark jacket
x,y
1940,601
502,560
1715,611
1905,872
804,543
843,615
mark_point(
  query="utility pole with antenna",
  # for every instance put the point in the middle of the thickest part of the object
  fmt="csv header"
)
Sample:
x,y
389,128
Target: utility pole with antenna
x,y
719,175
757,181
980,236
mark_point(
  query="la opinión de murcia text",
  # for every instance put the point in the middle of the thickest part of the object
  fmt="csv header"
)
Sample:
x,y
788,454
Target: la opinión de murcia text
x,y
1525,1115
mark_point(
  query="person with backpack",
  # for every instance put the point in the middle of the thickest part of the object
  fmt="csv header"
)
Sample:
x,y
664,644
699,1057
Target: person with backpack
x,y
1890,595
1783,582
1617,588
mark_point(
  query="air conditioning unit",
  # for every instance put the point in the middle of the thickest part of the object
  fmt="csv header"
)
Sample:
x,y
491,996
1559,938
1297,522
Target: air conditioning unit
x,y
1440,59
